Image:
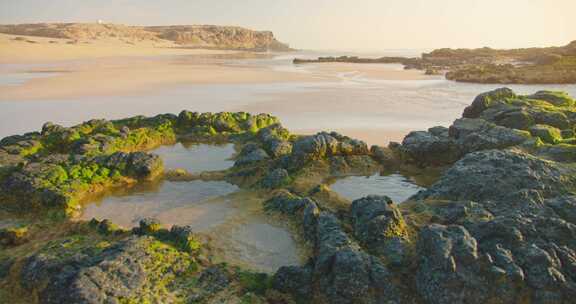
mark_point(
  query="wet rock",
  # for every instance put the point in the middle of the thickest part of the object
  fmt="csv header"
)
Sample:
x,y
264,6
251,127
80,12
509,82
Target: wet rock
x,y
119,272
559,153
105,227
185,238
559,99
213,279
328,144
477,134
564,206
295,280
139,165
50,127
13,236
275,179
382,154
461,212
251,154
379,225
486,100
546,133
5,266
451,270
278,148
427,148
148,226
501,176
285,202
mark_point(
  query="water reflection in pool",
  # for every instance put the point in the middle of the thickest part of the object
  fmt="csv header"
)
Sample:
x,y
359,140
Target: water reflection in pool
x,y
396,186
194,199
196,157
232,218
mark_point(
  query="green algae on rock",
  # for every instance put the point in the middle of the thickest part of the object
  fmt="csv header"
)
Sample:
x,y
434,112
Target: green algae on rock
x,y
497,227
496,120
56,168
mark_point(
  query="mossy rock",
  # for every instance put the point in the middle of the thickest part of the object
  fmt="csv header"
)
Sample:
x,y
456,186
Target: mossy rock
x,y
13,236
556,98
546,133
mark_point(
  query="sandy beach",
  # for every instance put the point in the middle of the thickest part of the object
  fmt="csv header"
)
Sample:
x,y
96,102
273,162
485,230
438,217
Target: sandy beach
x,y
141,78
112,67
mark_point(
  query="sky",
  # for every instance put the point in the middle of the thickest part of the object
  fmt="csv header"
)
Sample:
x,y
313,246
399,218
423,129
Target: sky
x,y
335,24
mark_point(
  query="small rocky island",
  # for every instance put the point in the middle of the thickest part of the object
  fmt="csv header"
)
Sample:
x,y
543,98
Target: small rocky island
x,y
496,223
551,65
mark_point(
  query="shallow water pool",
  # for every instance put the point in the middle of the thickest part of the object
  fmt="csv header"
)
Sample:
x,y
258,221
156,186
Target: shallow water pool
x,y
233,219
396,186
196,158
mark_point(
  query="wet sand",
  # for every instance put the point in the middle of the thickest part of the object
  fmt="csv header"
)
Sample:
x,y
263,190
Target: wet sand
x,y
377,103
112,67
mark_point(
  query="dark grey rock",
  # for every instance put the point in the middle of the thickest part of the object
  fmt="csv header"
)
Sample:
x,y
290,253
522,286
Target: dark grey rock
x,y
486,100
500,176
276,178
427,148
379,225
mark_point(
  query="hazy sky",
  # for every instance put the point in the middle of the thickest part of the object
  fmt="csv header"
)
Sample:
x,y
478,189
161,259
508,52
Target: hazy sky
x,y
335,24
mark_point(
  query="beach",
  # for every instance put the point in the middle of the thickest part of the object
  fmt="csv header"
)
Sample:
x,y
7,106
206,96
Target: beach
x,y
70,83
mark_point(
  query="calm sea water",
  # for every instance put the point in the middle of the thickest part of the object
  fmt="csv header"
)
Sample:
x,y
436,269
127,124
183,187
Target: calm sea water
x,y
350,102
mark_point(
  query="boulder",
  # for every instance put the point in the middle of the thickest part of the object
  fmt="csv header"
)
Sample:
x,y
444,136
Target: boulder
x,y
477,134
501,175
486,100
276,179
139,165
556,98
452,270
546,133
251,154
429,149
121,271
379,225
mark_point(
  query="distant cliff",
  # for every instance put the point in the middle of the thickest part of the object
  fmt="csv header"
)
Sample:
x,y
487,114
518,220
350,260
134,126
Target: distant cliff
x,y
194,36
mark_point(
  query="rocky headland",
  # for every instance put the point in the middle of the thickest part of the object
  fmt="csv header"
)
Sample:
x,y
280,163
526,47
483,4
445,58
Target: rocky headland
x,y
185,36
497,225
551,65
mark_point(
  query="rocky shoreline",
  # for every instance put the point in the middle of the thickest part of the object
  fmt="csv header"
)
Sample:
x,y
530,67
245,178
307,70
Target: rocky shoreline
x,y
552,65
497,226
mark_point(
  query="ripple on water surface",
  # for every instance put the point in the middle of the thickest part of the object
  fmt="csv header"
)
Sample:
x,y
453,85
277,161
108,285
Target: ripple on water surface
x,y
232,219
396,186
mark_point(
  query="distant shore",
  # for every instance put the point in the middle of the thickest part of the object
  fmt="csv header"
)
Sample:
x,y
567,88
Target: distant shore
x,y
550,65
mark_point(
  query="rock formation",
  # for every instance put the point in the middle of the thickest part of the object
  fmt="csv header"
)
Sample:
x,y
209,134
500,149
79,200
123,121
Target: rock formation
x,y
193,36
